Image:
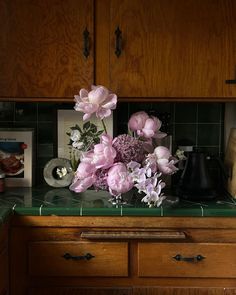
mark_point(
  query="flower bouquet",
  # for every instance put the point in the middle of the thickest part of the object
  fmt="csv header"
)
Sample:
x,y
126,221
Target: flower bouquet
x,y
126,162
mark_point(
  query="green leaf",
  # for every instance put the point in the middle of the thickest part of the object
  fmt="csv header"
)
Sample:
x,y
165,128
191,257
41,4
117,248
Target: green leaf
x,y
86,125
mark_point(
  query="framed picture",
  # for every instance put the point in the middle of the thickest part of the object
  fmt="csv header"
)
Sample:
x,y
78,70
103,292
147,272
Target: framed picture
x,y
16,156
69,118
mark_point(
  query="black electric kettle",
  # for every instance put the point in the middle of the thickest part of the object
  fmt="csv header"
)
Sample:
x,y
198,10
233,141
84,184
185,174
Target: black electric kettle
x,y
196,182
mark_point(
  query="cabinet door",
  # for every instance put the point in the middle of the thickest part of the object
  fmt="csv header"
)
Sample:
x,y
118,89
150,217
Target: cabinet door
x,y
41,48
80,291
171,48
177,291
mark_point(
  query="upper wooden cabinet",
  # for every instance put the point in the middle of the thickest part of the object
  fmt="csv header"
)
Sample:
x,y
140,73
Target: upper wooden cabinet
x,y
168,48
42,44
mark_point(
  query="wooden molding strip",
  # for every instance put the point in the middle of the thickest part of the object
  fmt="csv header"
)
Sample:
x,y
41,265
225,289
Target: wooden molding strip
x,y
150,235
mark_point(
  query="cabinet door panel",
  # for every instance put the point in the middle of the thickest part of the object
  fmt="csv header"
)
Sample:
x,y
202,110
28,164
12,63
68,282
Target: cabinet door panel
x,y
173,48
177,291
41,48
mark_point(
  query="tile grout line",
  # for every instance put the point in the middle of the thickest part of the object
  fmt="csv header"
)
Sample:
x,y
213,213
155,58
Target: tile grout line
x,y
202,210
40,210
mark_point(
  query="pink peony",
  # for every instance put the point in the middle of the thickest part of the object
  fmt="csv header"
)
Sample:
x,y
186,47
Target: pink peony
x,y
137,121
103,153
145,126
81,185
84,170
166,166
119,180
98,101
162,152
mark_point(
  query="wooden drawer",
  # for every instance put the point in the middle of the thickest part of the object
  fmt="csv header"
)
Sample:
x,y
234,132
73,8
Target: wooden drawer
x,y
47,259
209,260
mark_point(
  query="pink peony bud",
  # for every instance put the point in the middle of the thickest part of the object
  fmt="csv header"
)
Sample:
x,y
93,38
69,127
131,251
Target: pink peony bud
x,y
162,152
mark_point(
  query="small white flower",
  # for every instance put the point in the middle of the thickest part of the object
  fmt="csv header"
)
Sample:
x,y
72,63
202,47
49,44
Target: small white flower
x,y
61,172
75,135
77,144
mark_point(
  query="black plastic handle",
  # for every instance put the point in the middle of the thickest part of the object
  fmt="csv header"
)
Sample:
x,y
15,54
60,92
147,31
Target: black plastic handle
x,y
118,48
86,43
87,256
196,258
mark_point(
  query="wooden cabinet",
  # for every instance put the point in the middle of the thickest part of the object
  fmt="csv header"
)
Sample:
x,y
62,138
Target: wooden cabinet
x,y
3,260
122,255
167,48
160,49
42,46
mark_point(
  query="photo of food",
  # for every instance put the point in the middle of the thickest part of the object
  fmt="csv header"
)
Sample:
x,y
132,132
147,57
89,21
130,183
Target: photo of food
x,y
16,156
12,158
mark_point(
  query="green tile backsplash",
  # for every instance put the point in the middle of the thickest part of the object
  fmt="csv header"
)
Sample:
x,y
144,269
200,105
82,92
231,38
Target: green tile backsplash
x,y
197,124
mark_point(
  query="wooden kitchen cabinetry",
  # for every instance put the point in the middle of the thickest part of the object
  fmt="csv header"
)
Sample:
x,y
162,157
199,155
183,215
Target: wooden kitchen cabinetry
x,y
123,255
144,50
46,49
4,260
167,48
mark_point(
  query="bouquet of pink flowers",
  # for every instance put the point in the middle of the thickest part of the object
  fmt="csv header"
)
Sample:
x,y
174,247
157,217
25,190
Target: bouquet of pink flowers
x,y
127,161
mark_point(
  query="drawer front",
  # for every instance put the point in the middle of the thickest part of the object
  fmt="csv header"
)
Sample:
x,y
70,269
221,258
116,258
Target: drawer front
x,y
210,260
75,259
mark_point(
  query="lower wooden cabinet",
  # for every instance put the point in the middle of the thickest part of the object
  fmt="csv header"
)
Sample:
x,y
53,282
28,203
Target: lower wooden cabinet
x,y
122,256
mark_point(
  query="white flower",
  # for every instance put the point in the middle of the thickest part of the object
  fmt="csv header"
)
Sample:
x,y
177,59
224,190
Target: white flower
x,y
75,135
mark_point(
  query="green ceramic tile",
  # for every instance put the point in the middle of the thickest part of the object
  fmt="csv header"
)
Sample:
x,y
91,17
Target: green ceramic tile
x,y
186,112
6,112
101,211
26,112
60,211
62,202
46,132
209,134
210,112
185,134
141,211
45,150
47,112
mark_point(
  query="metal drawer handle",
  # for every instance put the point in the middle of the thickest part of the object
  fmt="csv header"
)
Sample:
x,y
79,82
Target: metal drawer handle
x,y
196,258
118,49
86,43
233,81
87,256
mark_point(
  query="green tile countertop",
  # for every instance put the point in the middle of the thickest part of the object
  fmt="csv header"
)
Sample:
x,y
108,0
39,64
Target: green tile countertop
x,y
46,201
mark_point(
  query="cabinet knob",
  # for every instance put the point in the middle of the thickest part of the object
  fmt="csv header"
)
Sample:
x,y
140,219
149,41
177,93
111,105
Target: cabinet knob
x,y
87,256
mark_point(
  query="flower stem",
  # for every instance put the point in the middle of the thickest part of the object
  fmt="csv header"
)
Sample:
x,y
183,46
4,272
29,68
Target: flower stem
x,y
104,126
